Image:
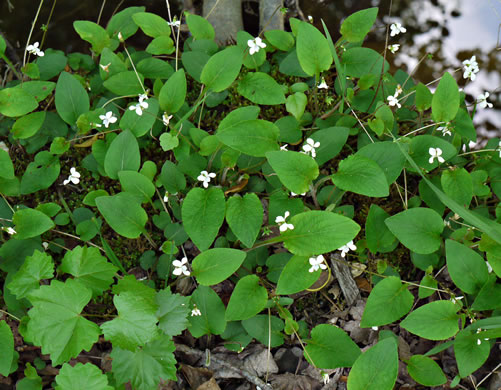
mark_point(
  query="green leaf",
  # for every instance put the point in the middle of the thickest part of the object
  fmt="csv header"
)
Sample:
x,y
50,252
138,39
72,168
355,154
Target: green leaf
x,y
332,140
215,265
81,377
356,26
295,276
245,217
445,102
71,98
330,347
203,214
6,166
466,267
458,184
145,367
172,313
419,229
6,348
295,170
376,368
139,125
361,175
41,173
259,328
136,322
379,237
90,198
388,301
247,300
387,155
38,89
222,69
463,125
56,323
90,268
296,104
93,33
312,50
425,371
30,223
35,268
173,93
122,22
238,116
261,88
318,232
151,24
16,102
199,27
168,141
124,214
282,40
470,355
28,125
423,97
125,83
3,45
489,296
361,61
136,183
434,321
161,45
122,155
212,320
172,178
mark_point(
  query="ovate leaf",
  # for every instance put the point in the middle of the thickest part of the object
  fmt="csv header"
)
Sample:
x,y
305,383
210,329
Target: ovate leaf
x,y
71,98
356,26
470,355
122,155
425,371
151,24
31,223
173,93
16,102
212,318
296,276
215,265
245,217
93,33
312,50
445,102
247,300
379,237
261,88
222,69
136,183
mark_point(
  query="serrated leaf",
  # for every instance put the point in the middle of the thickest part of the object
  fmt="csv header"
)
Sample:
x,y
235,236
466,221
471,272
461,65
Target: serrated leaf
x,y
215,265
31,223
56,323
388,301
212,318
89,267
145,367
203,214
247,300
35,268
425,371
295,170
81,377
318,232
330,347
71,98
245,217
122,155
172,313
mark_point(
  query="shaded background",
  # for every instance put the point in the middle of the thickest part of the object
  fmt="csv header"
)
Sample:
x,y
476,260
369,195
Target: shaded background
x,y
449,30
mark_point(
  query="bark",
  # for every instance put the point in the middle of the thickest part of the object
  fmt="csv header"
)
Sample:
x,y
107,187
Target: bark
x,y
270,17
226,17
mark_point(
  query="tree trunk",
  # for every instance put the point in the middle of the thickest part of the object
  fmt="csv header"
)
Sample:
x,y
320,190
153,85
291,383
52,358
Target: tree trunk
x,y
270,17
226,17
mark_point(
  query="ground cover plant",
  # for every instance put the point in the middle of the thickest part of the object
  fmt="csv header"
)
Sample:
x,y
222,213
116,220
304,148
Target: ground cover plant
x,y
192,190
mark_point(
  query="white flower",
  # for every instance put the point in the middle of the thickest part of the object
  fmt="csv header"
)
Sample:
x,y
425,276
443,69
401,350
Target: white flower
x,y
180,267
283,223
317,263
470,68
196,311
175,23
456,299
326,378
478,340
482,100
74,177
396,28
108,118
120,37
346,248
4,147
445,129
255,45
435,153
166,197
205,177
471,63
284,147
9,230
398,90
106,67
294,194
45,245
375,328
394,48
323,84
489,267
393,101
310,147
33,49
166,119
142,105
310,18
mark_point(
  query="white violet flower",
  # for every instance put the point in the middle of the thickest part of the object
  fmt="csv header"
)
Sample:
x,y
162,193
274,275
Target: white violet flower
x,y
394,48
323,84
45,245
294,194
317,263
108,118
175,23
445,130
9,230
281,221
106,67
375,328
489,267
284,147
74,177
205,178
196,311
393,101
166,119
435,153
34,49
255,45
397,28
120,37
142,105
326,378
482,100
470,68
180,267
346,248
166,197
310,18
456,299
310,147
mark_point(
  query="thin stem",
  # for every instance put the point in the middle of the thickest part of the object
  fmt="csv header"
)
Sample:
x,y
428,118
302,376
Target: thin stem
x,y
78,238
100,12
10,315
421,128
11,66
48,22
135,71
479,151
31,31
361,124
